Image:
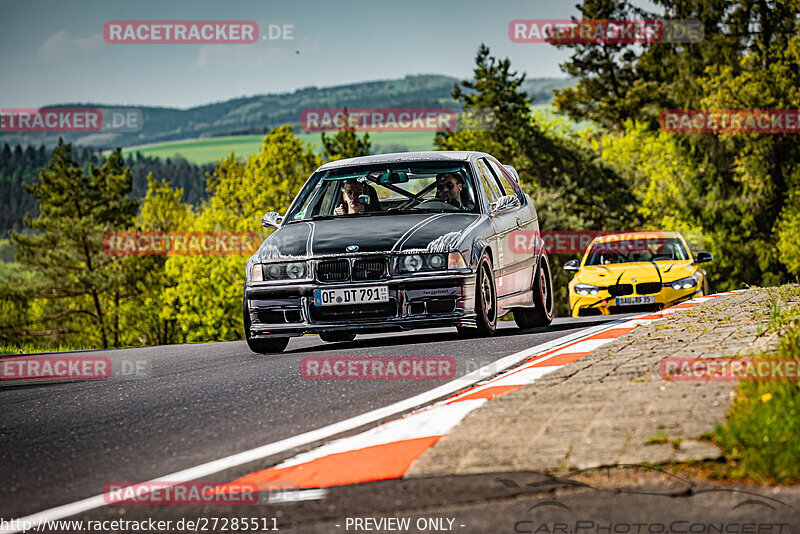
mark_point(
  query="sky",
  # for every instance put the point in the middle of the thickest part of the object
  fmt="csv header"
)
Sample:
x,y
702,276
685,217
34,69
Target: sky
x,y
54,51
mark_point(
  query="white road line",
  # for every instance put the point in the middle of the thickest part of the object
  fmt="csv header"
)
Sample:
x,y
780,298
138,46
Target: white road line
x,y
264,451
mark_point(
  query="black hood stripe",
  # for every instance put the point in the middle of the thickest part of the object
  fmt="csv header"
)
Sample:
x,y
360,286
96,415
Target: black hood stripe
x,y
407,235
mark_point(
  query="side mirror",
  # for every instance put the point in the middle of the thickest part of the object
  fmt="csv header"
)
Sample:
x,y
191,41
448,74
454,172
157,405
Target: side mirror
x,y
704,257
271,219
505,204
572,265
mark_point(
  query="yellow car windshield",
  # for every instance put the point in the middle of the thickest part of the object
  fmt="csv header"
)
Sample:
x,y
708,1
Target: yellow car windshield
x,y
637,250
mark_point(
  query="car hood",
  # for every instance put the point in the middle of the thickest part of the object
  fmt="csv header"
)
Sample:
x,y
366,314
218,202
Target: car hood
x,y
607,275
433,232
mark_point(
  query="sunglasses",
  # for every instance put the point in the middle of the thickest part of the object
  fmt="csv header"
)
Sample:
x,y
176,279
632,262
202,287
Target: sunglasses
x,y
445,185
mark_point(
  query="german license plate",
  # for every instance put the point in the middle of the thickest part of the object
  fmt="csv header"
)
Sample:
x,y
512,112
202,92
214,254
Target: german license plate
x,y
351,295
632,301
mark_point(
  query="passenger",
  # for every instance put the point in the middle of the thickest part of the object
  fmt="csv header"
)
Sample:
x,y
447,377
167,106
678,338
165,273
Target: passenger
x,y
450,186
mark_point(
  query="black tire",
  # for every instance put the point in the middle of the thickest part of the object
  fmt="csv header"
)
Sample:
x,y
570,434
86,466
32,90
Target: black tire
x,y
485,302
261,346
542,314
336,337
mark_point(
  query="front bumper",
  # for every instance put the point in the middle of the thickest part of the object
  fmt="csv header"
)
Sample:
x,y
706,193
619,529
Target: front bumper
x,y
604,304
420,301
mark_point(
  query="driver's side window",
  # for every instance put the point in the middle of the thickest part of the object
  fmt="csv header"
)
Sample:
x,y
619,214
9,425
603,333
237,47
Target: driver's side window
x,y
488,182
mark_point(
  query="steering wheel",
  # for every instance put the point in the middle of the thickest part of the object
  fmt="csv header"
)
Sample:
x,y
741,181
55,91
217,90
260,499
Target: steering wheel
x,y
443,200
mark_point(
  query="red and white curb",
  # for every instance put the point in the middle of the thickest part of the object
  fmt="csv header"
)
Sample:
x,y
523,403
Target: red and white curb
x,y
388,450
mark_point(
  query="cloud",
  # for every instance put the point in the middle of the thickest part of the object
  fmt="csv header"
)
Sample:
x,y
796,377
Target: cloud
x,y
61,42
253,56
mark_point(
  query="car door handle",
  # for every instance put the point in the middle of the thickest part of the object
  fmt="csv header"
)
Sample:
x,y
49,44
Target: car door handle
x,y
519,222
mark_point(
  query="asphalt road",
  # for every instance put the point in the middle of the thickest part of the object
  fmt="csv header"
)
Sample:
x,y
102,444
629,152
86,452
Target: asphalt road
x,y
190,404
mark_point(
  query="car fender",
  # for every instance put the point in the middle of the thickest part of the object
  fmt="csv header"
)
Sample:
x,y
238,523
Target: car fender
x,y
479,245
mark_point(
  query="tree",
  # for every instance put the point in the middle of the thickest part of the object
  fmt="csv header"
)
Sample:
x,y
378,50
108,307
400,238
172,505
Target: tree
x,y
207,296
749,58
65,259
144,318
345,143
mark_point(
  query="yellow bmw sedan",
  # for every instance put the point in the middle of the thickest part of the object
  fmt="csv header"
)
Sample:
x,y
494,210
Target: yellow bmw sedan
x,y
635,272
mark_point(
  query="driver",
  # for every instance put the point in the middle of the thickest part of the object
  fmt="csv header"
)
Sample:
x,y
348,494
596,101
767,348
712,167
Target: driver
x,y
351,190
448,188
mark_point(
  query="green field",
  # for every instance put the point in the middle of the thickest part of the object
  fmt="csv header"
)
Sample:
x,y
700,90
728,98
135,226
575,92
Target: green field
x,y
213,148
210,149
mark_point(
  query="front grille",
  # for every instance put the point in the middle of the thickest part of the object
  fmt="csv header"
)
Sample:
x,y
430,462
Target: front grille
x,y
378,310
370,268
648,288
588,312
619,290
333,271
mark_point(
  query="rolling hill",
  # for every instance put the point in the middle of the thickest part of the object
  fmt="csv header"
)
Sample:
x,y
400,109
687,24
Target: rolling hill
x,y
256,115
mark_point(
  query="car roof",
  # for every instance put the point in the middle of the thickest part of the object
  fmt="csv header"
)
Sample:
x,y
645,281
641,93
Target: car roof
x,y
636,235
400,157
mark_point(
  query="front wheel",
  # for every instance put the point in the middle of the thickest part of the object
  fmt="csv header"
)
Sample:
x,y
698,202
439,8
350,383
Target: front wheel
x,y
542,314
485,301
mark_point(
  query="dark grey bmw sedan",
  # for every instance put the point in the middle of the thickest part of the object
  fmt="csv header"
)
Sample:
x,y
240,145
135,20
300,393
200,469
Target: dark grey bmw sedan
x,y
397,242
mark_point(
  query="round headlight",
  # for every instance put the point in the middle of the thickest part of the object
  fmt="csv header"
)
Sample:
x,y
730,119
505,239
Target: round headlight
x,y
437,261
412,263
274,271
296,270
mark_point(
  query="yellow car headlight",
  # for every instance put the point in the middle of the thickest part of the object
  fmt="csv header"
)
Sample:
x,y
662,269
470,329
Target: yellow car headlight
x,y
586,289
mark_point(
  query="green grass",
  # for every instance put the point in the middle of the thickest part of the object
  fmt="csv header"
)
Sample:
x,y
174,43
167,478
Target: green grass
x,y
207,150
761,436
657,439
30,348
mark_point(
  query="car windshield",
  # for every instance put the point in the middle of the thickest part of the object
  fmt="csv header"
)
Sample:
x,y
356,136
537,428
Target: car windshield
x,y
386,189
636,250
